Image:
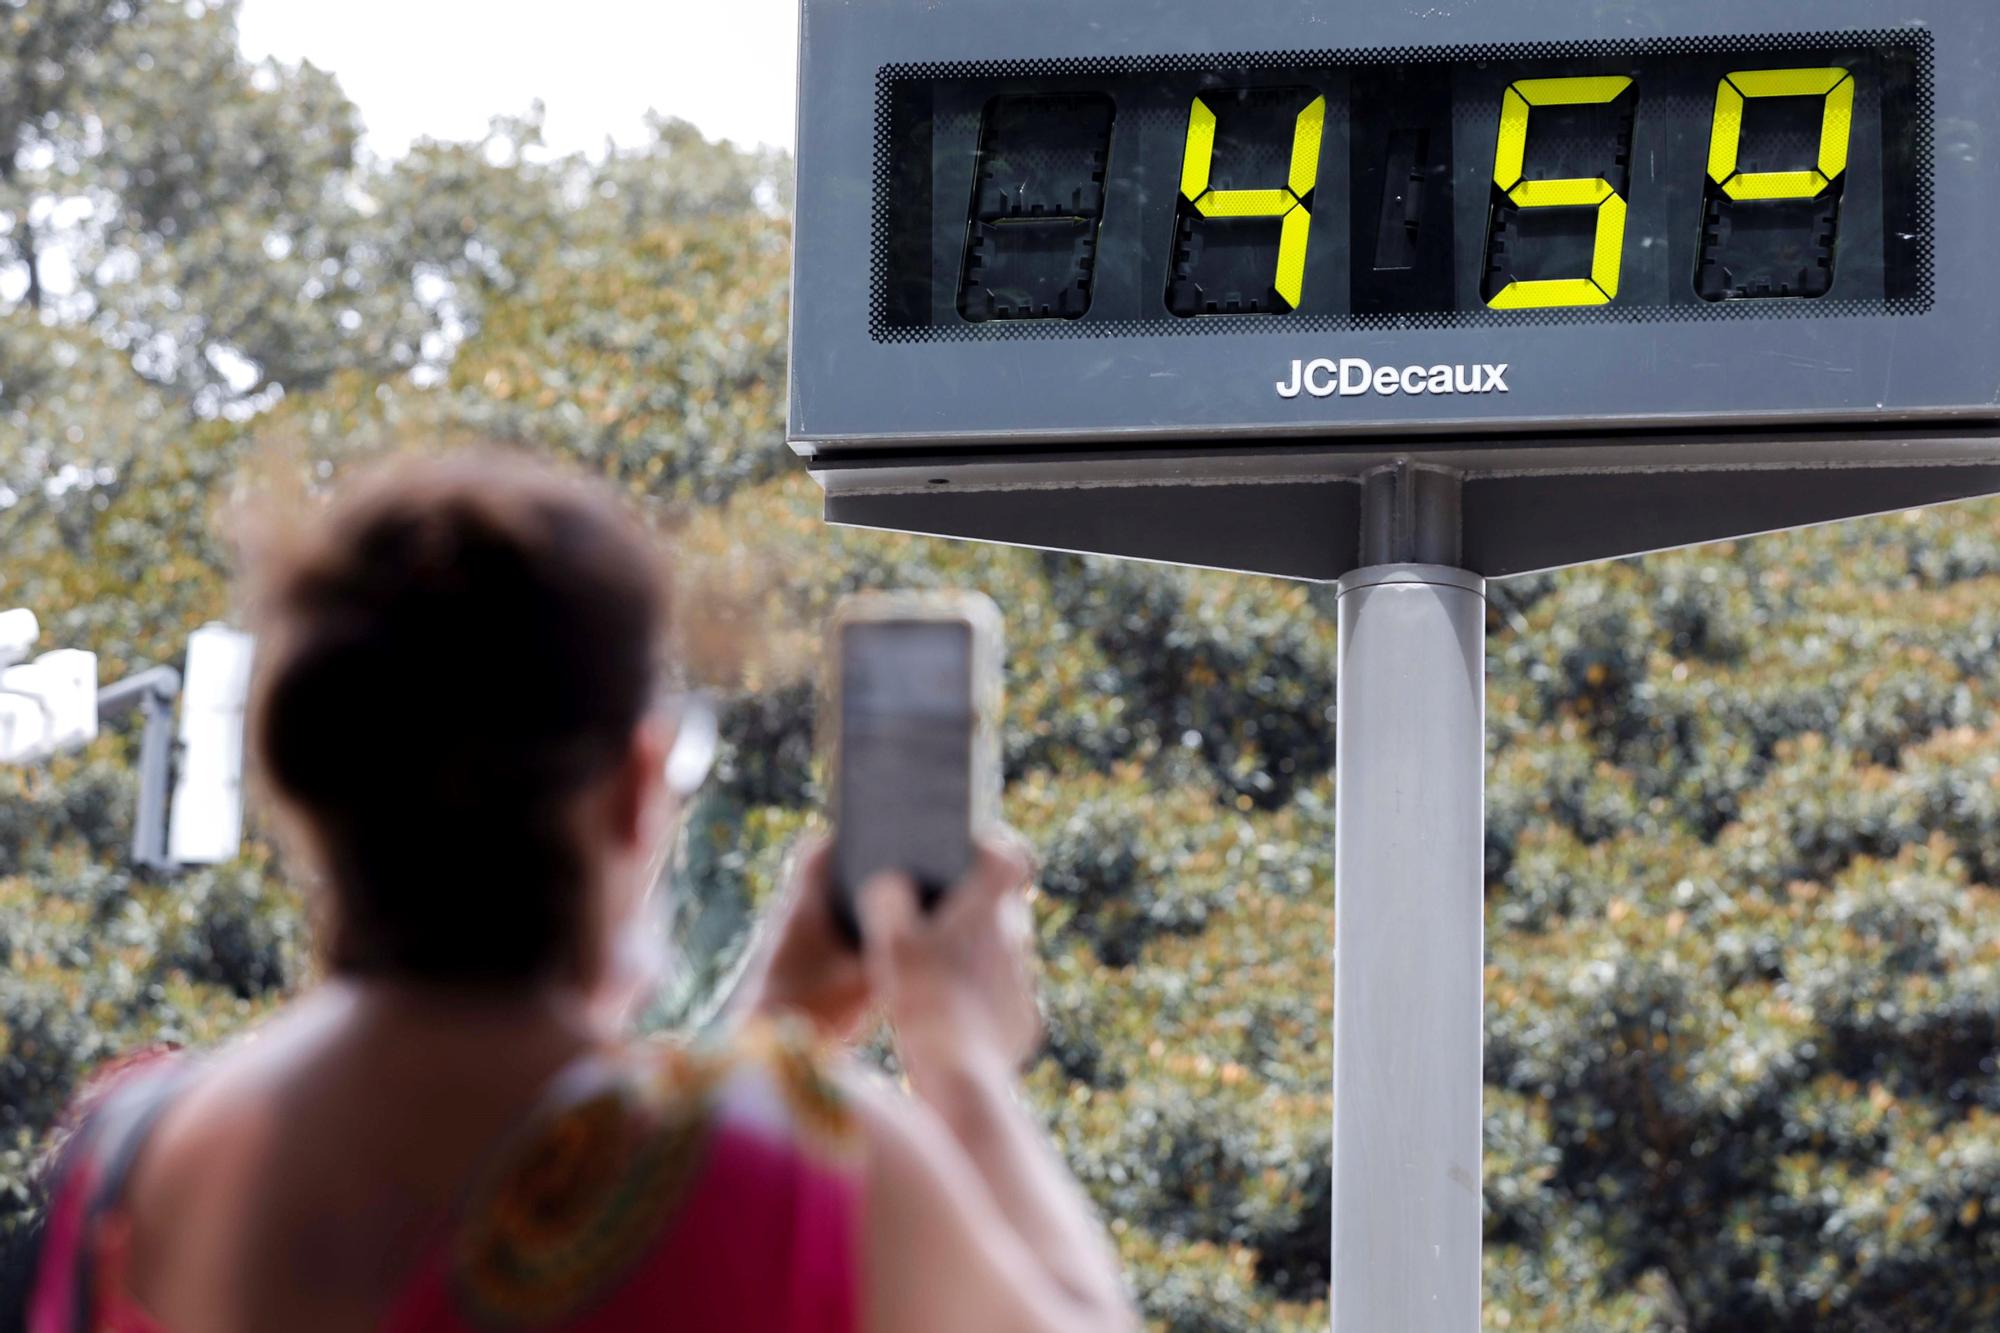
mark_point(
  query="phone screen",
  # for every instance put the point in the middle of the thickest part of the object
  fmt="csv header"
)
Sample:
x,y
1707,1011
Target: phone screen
x,y
905,760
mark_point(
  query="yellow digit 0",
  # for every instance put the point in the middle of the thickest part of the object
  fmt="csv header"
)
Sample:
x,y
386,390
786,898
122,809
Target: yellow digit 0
x,y
1510,160
1836,129
1286,202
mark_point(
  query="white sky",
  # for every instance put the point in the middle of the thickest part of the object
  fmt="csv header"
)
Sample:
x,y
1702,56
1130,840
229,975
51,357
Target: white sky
x,y
443,67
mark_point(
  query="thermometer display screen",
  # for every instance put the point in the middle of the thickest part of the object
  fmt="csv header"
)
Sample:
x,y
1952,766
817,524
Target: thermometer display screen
x,y
1659,180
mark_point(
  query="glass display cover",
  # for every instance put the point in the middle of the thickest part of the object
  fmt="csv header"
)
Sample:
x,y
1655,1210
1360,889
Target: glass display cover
x,y
1656,180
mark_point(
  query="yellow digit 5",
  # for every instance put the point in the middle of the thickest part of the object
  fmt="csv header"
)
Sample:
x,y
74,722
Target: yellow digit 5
x,y
1836,128
1510,160
1287,202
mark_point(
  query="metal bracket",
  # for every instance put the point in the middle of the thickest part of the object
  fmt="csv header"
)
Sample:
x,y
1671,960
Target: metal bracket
x,y
1411,515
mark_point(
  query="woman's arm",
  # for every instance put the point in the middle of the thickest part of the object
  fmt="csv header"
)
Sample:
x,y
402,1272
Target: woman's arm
x,y
973,1221
957,989
940,1254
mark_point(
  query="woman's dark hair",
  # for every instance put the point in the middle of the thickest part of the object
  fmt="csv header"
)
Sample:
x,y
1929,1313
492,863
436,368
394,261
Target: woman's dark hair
x,y
447,657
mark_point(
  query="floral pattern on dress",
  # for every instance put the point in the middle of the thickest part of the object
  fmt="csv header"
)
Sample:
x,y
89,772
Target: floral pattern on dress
x,y
587,1191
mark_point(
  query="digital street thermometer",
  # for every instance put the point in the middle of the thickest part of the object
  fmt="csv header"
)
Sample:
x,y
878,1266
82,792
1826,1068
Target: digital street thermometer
x,y
1049,253
1408,297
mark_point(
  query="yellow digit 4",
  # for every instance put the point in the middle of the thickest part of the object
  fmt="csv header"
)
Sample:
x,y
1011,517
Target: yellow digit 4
x,y
1286,202
1510,161
1836,129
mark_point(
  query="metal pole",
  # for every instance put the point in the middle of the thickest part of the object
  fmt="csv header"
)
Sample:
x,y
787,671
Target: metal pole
x,y
156,777
152,691
1409,924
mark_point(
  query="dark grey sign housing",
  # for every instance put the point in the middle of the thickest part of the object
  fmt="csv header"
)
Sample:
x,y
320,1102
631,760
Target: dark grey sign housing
x,y
1655,420
1404,296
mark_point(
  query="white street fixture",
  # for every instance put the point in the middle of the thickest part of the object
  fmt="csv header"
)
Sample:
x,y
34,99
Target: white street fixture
x,y
18,631
48,704
206,825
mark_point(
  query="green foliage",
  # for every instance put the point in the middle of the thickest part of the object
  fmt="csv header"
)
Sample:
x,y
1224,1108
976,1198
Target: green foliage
x,y
1744,958
1744,984
96,960
656,357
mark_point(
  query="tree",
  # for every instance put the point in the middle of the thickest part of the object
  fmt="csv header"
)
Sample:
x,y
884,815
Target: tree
x,y
50,44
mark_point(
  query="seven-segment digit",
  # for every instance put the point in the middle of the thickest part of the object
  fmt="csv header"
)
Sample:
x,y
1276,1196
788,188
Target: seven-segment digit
x,y
1516,196
1206,212
1768,229
1836,128
1038,199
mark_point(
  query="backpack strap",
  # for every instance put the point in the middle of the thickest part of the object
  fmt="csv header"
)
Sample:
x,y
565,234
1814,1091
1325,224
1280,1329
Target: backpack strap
x,y
114,1137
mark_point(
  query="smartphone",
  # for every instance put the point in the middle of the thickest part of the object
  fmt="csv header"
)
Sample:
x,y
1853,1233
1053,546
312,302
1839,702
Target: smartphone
x,y
915,761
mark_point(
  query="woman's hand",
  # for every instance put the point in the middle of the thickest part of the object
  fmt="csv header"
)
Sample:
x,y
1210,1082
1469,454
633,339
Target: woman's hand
x,y
956,981
807,968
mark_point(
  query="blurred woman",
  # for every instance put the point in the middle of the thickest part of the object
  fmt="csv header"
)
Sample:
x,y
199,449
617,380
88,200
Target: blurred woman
x,y
462,708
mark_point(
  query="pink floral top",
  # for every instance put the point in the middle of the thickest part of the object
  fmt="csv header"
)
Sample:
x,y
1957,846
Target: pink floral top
x,y
658,1188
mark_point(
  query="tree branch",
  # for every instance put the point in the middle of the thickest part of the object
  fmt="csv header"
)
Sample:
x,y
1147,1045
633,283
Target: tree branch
x,y
31,256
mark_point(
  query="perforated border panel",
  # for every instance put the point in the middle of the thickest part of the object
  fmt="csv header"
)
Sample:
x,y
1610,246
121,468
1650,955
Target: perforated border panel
x,y
1915,40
